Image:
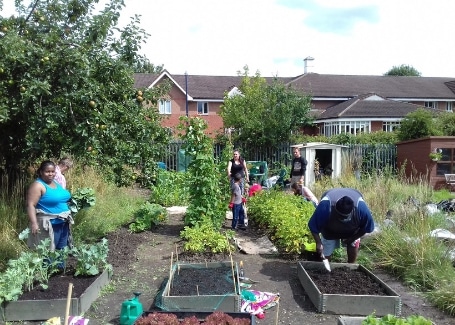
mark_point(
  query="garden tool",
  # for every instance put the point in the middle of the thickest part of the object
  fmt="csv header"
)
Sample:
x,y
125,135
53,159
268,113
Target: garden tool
x,y
325,262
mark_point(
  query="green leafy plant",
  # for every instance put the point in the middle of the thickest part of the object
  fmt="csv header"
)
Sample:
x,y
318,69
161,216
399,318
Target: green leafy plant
x,y
204,238
148,216
435,156
205,202
284,216
393,320
82,198
91,259
166,195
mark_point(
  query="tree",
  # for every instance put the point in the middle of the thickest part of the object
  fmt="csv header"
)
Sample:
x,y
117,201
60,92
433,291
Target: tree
x,y
264,113
403,70
447,122
66,85
143,65
418,124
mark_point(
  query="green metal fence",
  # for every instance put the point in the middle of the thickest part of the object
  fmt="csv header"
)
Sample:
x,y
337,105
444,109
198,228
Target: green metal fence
x,y
372,157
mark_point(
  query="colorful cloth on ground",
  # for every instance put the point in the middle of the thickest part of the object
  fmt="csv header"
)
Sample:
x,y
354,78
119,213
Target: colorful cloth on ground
x,y
256,302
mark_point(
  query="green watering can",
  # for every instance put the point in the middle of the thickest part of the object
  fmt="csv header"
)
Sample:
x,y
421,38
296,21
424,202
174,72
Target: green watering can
x,y
131,310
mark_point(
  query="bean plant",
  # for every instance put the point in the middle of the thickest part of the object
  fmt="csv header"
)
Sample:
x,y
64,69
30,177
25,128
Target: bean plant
x,y
205,202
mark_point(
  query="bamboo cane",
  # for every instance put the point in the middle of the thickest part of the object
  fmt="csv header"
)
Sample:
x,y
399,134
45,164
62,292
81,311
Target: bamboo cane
x,y
177,259
170,274
68,303
232,265
277,311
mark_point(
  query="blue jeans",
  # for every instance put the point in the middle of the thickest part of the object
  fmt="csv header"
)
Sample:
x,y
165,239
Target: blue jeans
x,y
61,233
238,216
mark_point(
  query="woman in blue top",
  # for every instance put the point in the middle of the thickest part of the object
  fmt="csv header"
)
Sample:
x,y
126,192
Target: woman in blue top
x,y
47,209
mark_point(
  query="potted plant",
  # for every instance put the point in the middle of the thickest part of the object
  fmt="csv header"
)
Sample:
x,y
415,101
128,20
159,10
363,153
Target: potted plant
x,y
435,156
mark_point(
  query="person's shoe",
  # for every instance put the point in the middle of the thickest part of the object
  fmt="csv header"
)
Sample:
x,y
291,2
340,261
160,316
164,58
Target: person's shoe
x,y
242,227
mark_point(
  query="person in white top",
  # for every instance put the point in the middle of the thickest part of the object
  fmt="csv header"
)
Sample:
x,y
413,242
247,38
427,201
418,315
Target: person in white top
x,y
63,165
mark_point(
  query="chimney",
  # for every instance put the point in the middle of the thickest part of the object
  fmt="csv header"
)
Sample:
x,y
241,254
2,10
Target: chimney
x,y
305,64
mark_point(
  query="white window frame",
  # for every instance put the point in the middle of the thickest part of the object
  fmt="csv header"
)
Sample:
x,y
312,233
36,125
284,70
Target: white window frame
x,y
390,126
433,105
203,108
352,127
449,107
165,106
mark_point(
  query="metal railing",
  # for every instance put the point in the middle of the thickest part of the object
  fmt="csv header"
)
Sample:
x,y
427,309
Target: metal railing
x,y
372,158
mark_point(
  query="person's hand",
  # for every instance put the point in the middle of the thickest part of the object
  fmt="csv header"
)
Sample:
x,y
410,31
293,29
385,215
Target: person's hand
x,y
231,205
243,200
34,228
319,248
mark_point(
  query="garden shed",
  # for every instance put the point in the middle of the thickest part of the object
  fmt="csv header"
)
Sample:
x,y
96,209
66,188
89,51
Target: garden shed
x,y
413,156
324,160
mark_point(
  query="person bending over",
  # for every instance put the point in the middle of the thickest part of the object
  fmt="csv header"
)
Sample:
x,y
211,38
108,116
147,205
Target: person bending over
x,y
341,215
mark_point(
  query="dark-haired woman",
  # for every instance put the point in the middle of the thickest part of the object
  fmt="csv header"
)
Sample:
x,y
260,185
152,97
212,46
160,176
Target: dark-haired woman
x,y
237,165
47,209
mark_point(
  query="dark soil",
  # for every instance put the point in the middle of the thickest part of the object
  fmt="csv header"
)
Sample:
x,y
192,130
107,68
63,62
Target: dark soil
x,y
58,285
345,281
202,281
141,263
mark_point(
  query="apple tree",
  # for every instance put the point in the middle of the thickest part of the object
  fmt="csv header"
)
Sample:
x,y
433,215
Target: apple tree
x,y
66,86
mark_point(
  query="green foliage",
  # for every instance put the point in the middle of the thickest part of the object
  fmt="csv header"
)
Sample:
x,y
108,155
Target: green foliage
x,y
264,114
446,121
285,217
170,188
148,216
221,165
66,85
37,266
418,124
91,259
379,137
205,202
403,70
204,238
394,320
82,198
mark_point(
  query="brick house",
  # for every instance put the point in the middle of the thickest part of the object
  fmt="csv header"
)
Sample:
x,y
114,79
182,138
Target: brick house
x,y
341,103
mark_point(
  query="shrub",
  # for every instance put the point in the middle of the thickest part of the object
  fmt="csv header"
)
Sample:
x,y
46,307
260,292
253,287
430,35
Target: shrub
x,y
285,217
148,216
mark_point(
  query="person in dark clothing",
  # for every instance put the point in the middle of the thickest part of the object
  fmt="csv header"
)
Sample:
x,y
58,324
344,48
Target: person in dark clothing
x,y
341,215
298,168
237,165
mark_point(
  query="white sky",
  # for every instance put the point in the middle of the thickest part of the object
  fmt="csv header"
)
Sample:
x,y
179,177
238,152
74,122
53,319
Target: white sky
x,y
347,37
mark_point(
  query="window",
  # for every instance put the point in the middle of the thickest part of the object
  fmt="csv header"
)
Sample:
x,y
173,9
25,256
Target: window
x,y
433,105
353,127
202,108
447,164
164,106
449,107
390,126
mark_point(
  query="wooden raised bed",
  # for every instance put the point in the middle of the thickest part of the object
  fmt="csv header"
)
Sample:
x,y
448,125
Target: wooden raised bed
x,y
36,310
345,304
